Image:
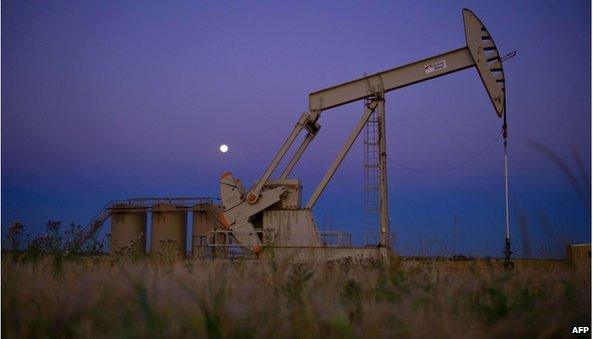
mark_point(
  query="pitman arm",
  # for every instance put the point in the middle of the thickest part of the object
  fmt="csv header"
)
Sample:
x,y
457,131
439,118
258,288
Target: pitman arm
x,y
307,121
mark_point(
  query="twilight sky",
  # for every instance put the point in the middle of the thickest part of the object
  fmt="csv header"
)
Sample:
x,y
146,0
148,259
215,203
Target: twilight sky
x,y
114,99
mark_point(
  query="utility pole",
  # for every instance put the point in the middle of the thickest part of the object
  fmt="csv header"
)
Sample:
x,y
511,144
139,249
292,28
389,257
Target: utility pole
x,y
384,201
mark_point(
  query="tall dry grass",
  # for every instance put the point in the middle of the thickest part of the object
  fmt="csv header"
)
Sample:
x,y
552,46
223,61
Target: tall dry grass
x,y
100,298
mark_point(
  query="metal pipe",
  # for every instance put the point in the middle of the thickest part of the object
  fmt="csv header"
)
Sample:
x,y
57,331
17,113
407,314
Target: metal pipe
x,y
506,190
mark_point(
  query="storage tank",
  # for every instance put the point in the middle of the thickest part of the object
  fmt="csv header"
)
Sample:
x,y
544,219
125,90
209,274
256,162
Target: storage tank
x,y
169,227
128,229
204,219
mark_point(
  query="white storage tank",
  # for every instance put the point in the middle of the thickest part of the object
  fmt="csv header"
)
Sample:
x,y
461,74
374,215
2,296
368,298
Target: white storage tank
x,y
169,227
128,229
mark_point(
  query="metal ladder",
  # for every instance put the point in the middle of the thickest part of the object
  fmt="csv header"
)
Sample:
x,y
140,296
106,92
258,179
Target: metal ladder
x,y
372,207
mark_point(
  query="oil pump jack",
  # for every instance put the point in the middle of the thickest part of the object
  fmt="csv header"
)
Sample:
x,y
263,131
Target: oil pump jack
x,y
273,205
270,213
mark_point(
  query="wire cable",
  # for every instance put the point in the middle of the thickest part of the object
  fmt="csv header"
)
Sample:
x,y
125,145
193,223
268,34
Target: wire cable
x,y
447,169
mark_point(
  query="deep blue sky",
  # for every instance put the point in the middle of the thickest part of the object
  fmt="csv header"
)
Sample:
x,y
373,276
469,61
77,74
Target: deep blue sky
x,y
110,99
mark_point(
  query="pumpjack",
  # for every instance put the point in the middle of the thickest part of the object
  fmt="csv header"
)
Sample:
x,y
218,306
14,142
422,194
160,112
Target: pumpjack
x,y
270,214
273,204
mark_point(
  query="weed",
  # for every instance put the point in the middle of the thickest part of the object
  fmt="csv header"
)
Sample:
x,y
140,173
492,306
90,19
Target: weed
x,y
148,297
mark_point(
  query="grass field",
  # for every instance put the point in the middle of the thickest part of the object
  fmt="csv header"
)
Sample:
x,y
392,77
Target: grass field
x,y
60,297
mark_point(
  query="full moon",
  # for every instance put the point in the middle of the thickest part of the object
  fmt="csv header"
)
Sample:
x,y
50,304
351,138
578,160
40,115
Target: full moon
x,y
223,148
